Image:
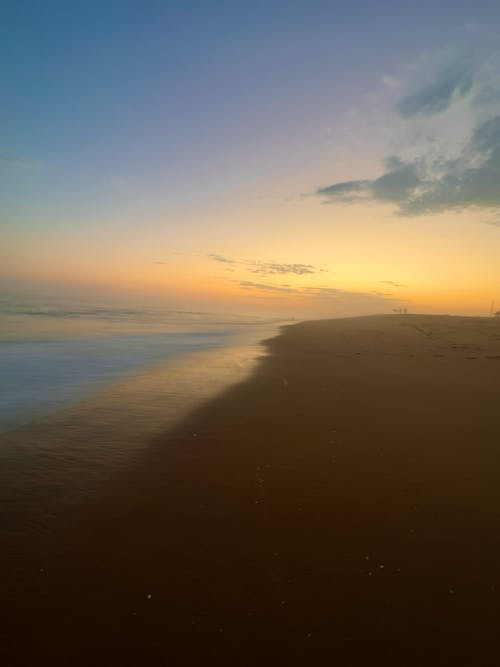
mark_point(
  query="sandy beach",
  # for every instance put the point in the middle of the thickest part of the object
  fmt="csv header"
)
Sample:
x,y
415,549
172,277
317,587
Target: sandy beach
x,y
340,506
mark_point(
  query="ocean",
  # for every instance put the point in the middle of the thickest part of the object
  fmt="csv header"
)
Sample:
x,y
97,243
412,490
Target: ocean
x,y
85,387
55,352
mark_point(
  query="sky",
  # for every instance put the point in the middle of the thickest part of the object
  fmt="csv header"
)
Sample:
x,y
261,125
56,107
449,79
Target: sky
x,y
307,159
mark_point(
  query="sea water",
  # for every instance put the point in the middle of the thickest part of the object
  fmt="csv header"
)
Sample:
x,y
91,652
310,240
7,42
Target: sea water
x,y
85,389
54,352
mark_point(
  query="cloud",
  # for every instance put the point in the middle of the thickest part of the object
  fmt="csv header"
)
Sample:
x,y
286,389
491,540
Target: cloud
x,y
266,268
347,191
322,294
11,159
494,220
428,186
393,283
445,137
223,260
343,297
452,83
270,268
391,82
247,284
474,27
323,291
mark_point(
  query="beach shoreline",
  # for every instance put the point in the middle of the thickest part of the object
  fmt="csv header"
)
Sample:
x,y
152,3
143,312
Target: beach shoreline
x,y
339,505
57,460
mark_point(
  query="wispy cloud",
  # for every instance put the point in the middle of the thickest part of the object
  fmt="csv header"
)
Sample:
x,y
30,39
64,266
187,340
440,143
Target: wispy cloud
x,y
318,293
223,260
393,283
347,191
322,291
11,159
452,83
271,268
247,284
450,156
474,27
494,220
267,268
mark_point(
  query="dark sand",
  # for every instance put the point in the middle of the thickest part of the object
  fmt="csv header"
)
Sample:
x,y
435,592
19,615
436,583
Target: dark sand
x,y
341,507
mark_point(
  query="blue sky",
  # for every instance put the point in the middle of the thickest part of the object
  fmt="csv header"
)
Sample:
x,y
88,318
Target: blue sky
x,y
136,86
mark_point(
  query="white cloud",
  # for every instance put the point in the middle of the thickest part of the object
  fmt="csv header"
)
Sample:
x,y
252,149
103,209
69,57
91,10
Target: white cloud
x,y
444,144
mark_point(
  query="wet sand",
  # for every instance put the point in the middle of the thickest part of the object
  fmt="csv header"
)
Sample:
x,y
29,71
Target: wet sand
x,y
341,506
